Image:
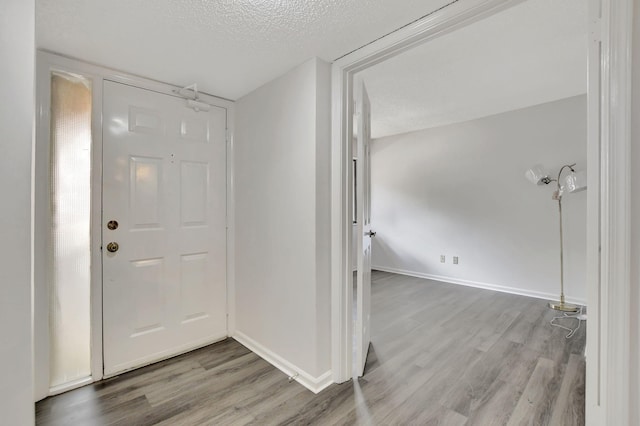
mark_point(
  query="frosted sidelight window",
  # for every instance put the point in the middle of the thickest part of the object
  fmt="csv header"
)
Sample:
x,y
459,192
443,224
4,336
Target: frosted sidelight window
x,y
70,267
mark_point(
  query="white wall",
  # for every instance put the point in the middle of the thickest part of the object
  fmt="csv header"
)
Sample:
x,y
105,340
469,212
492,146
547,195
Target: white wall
x,y
282,287
460,190
16,123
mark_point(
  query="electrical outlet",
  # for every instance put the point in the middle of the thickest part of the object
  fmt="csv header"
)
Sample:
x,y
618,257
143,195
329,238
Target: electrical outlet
x,y
455,260
442,258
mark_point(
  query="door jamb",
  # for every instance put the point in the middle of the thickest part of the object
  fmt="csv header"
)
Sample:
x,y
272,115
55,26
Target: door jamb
x,y
440,22
609,285
608,233
45,63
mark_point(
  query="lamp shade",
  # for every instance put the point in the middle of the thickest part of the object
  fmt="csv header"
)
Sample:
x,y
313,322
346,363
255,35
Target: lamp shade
x,y
537,175
576,182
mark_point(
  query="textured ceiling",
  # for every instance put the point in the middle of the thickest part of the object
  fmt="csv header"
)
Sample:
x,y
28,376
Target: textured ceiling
x,y
532,53
229,47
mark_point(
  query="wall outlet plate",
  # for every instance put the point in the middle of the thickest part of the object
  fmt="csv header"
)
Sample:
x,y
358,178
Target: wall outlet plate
x,y
442,258
455,260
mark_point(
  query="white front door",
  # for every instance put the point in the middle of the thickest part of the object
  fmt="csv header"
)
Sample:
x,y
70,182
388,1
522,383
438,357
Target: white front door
x,y
363,203
164,205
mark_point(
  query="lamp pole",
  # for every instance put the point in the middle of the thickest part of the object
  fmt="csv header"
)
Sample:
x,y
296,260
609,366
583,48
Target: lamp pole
x,y
557,195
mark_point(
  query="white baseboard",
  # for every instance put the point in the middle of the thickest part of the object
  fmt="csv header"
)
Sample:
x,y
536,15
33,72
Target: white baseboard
x,y
477,284
56,390
314,384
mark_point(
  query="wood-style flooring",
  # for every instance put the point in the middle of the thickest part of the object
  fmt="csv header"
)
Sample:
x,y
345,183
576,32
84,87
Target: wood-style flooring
x,y
441,354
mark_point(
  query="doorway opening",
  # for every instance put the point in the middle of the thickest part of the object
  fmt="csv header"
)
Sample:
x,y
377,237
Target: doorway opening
x,y
449,201
78,104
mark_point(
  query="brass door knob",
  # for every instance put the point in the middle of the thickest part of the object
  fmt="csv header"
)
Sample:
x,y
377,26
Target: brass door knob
x,y
112,247
112,224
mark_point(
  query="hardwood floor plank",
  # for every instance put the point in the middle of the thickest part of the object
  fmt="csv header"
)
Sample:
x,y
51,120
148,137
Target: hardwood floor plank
x,y
566,412
97,412
203,415
517,370
324,405
534,406
152,415
477,378
226,352
496,405
439,416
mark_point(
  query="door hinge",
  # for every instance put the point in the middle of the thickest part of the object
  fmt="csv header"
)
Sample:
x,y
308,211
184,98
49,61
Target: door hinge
x,y
595,30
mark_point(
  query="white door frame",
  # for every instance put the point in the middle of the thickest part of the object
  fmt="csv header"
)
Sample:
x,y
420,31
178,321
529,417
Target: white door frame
x,y
608,233
45,63
609,214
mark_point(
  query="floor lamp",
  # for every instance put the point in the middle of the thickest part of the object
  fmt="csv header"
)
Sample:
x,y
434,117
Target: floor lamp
x,y
574,182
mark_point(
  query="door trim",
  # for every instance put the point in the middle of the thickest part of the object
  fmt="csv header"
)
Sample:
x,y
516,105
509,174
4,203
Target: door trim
x,y
45,63
609,288
608,233
440,22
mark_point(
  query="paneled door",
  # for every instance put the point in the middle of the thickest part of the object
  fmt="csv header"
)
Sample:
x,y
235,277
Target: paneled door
x,y
365,233
164,226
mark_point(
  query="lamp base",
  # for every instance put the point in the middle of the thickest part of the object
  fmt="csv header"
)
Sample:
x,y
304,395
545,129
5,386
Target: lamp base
x,y
564,307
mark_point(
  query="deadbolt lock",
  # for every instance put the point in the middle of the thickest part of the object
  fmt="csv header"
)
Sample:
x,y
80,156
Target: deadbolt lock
x,y
112,247
112,224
